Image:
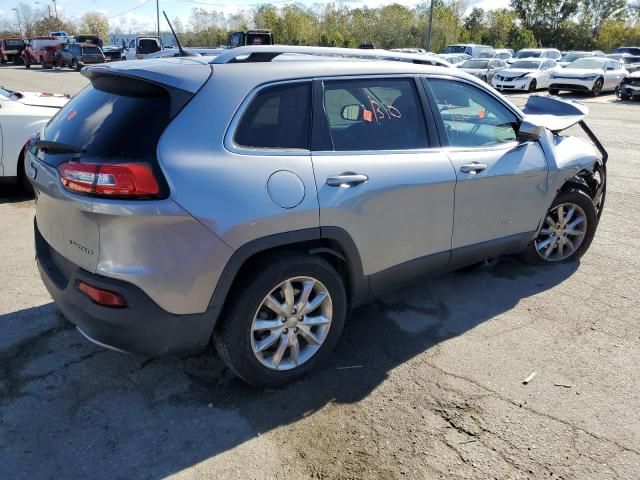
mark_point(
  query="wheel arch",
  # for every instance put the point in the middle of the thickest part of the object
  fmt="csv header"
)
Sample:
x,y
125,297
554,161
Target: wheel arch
x,y
333,244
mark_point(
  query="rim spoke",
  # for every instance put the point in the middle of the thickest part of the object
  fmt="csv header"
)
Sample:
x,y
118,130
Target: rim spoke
x,y
570,244
560,214
315,321
307,288
287,290
548,250
275,306
294,349
268,341
561,248
550,220
544,243
575,223
282,346
315,303
262,325
574,232
569,215
547,231
308,335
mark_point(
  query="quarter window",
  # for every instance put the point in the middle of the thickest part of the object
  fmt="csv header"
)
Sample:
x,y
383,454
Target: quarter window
x,y
278,117
374,114
471,117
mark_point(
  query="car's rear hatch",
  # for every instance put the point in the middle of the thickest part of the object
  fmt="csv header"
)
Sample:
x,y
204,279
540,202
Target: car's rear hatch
x,y
117,120
92,54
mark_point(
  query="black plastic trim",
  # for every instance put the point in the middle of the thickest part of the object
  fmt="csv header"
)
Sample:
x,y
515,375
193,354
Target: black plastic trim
x,y
468,255
141,327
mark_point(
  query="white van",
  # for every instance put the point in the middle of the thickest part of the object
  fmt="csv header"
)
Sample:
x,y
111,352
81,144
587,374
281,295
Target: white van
x,y
470,49
542,53
140,47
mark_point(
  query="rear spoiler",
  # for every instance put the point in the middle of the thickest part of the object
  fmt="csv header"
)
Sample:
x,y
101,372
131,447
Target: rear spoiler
x,y
558,115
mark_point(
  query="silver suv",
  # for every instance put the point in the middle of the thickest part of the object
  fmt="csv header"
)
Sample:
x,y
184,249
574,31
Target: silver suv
x,y
254,202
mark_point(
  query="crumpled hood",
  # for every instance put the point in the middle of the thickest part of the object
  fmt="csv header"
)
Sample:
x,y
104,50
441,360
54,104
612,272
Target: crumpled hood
x,y
554,113
37,99
515,72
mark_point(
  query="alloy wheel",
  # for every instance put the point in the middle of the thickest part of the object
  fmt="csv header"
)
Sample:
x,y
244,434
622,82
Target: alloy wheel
x,y
562,232
291,323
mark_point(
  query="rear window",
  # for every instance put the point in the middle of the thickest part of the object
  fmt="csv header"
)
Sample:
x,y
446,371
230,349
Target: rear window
x,y
14,43
148,46
90,51
278,117
112,125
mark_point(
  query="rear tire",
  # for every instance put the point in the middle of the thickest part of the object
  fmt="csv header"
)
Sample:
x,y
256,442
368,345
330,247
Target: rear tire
x,y
533,86
564,241
252,353
554,91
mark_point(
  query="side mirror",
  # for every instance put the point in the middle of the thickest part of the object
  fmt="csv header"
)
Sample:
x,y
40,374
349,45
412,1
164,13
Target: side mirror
x,y
529,131
352,112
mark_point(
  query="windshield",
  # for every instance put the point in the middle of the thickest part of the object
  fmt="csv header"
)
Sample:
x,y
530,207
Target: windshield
x,y
475,64
526,65
14,42
5,93
455,49
570,57
528,54
588,64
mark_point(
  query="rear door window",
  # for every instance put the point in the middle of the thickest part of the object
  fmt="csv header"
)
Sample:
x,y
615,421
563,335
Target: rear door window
x,y
277,117
374,114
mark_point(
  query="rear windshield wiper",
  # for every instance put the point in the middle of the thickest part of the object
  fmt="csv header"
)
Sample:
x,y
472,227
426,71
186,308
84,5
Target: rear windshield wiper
x,y
56,147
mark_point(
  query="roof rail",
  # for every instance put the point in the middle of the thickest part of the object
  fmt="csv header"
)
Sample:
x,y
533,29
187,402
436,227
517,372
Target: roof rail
x,y
266,53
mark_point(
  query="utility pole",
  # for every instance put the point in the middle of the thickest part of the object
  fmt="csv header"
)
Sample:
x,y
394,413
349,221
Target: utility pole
x,y
430,25
55,9
158,16
18,17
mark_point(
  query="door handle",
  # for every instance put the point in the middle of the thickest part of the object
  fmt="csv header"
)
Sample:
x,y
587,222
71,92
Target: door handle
x,y
473,167
346,179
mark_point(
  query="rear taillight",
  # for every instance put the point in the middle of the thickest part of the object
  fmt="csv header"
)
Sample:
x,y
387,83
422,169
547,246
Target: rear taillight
x,y
103,297
118,180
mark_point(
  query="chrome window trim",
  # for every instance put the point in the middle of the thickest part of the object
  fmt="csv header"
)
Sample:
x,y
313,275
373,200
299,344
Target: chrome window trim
x,y
229,142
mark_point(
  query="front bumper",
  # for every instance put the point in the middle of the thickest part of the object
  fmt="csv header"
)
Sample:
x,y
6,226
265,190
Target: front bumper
x,y
141,327
631,90
519,84
572,84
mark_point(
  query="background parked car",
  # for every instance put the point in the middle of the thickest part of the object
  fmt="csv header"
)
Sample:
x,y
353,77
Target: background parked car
x,y
569,57
21,114
631,63
112,53
43,51
140,47
483,68
549,53
454,58
469,48
174,52
11,49
588,75
630,87
630,50
528,74
77,55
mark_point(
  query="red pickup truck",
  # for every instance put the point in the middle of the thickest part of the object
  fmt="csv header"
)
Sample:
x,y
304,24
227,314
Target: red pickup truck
x,y
11,49
43,51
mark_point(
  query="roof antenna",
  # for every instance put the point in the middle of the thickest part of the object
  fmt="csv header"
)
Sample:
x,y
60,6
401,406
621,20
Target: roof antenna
x,y
180,49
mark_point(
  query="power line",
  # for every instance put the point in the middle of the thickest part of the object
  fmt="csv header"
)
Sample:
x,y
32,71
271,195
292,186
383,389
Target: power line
x,y
130,10
211,4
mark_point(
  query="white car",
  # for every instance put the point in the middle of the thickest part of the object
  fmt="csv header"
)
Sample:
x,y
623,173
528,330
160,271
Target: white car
x,y
592,75
572,56
21,114
529,74
454,58
174,52
541,53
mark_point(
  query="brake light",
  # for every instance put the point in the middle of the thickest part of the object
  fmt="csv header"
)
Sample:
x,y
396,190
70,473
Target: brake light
x,y
123,180
102,297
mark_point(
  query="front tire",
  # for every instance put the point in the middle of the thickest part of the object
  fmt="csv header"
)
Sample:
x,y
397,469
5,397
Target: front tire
x,y
533,86
597,87
567,230
554,91
285,316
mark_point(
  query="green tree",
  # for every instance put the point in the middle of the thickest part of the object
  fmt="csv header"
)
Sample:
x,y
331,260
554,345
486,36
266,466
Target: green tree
x,y
475,26
95,23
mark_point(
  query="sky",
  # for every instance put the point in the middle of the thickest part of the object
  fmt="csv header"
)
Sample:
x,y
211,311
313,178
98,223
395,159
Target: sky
x,y
140,15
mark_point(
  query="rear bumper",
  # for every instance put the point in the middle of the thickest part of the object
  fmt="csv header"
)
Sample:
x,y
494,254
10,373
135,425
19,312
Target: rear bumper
x,y
142,327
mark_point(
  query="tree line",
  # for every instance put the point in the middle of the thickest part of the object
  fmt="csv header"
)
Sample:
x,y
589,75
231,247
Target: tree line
x,y
565,24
